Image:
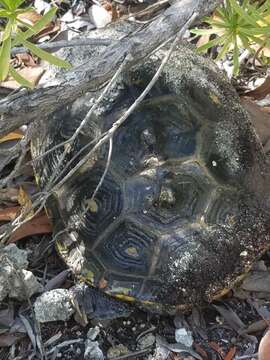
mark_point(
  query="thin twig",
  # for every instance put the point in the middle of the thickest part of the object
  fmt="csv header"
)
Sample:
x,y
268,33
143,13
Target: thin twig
x,y
40,202
71,140
106,169
129,111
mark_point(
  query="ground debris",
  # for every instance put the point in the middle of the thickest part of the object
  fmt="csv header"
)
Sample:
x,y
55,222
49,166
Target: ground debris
x,y
54,305
15,281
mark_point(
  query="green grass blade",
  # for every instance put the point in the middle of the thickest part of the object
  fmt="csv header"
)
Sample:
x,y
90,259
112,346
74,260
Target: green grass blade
x,y
4,13
218,41
6,4
20,79
5,58
35,28
263,30
225,48
204,31
236,65
44,55
241,12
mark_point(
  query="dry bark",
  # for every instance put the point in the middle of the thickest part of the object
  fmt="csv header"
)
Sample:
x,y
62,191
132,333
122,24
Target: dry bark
x,y
26,106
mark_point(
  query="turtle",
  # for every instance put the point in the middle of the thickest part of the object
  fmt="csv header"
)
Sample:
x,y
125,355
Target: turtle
x,y
173,210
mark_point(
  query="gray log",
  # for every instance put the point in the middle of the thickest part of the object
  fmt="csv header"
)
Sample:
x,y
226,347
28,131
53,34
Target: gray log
x,y
26,106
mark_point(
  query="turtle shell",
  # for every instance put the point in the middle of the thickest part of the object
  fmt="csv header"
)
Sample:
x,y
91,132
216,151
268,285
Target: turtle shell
x,y
183,209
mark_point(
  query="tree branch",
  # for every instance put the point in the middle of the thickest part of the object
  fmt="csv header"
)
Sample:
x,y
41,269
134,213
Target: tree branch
x,y
26,106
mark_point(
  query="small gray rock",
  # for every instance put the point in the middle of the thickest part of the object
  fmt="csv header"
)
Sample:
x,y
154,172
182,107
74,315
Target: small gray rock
x,y
93,351
53,305
117,350
146,341
99,16
92,333
24,287
17,256
184,337
15,281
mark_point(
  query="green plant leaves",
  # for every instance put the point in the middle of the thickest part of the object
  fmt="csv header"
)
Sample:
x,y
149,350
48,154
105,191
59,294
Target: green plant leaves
x,y
237,26
44,54
4,58
11,9
20,79
36,28
5,51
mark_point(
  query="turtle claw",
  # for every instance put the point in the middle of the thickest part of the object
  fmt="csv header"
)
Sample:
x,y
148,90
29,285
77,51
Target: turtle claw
x,y
90,303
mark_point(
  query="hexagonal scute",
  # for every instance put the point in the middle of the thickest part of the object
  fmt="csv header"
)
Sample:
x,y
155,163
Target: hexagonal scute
x,y
184,194
228,157
128,249
91,216
160,130
141,191
223,209
121,284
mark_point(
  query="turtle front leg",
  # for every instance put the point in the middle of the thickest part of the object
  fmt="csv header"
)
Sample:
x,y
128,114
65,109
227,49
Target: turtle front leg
x,y
91,303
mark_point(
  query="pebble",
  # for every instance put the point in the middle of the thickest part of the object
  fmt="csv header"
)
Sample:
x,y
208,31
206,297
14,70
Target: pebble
x,y
93,333
53,305
146,341
117,350
93,351
184,337
99,16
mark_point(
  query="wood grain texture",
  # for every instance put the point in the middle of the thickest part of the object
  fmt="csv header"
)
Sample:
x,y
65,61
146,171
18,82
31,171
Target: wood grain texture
x,y
26,106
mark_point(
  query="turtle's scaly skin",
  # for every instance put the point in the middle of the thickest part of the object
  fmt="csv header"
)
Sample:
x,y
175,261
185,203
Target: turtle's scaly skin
x,y
184,208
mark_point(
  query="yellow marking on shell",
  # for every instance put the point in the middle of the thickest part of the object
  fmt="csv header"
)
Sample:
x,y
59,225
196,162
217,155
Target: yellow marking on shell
x,y
147,302
92,205
214,98
124,297
89,276
132,251
61,248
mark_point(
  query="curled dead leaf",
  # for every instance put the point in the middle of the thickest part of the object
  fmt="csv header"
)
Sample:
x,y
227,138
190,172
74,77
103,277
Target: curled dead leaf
x,y
261,91
25,201
16,135
230,354
10,213
32,74
40,224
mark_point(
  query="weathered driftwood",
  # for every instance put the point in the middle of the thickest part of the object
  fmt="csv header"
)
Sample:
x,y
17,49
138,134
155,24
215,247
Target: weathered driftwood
x,y
26,106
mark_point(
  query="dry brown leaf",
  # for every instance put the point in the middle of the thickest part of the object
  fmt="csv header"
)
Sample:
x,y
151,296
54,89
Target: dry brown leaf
x,y
264,347
50,29
200,350
16,135
9,213
217,348
204,39
32,74
30,17
261,91
230,354
261,121
40,224
26,59
25,201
